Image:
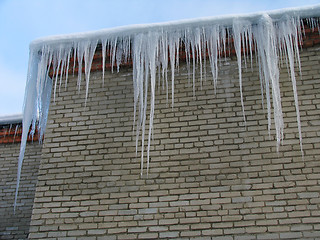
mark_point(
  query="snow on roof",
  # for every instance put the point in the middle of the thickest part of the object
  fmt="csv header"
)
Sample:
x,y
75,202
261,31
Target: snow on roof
x,y
10,119
226,20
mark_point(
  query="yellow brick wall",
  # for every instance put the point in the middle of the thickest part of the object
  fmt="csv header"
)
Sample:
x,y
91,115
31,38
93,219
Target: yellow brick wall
x,y
16,226
210,175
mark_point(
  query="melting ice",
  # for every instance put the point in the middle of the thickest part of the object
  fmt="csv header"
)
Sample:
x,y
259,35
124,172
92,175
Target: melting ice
x,y
154,49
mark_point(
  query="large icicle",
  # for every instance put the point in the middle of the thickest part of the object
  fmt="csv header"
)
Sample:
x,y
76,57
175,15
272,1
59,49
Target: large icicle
x,y
156,49
241,29
266,44
29,113
288,36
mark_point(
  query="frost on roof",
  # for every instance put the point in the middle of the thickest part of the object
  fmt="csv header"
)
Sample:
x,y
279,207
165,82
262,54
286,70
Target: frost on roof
x,y
271,35
10,119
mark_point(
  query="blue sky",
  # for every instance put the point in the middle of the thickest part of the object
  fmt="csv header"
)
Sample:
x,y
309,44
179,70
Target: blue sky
x,y
22,21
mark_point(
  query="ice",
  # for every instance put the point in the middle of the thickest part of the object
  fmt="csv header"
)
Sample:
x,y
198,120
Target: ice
x,y
15,132
241,29
30,110
289,37
155,49
266,43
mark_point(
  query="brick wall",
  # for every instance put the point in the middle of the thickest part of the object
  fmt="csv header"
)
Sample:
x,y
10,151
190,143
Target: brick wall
x,y
210,176
17,226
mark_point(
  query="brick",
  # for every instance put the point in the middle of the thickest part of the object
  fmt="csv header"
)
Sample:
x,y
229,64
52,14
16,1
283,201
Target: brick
x,y
127,212
301,227
38,235
200,226
308,195
148,199
312,234
241,199
158,228
88,226
278,228
97,232
253,230
137,229
221,201
116,230
235,231
148,236
310,220
168,221
268,236
148,211
76,233
179,203
169,234
290,235
190,220
212,232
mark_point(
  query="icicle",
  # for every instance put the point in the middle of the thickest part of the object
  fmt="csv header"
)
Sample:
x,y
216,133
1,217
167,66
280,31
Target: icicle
x,y
113,47
104,49
193,52
173,47
187,45
198,51
61,72
138,86
44,106
152,49
29,113
67,68
120,53
144,99
289,39
265,38
213,42
15,132
163,52
58,60
239,30
74,58
89,50
8,131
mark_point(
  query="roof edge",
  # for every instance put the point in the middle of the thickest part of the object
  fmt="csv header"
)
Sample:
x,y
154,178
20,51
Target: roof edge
x,y
11,119
225,20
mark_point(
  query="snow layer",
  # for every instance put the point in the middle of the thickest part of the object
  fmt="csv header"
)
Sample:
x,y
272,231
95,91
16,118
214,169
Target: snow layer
x,y
10,119
272,35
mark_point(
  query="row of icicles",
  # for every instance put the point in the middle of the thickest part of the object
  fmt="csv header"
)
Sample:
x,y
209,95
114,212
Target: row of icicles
x,y
10,132
156,52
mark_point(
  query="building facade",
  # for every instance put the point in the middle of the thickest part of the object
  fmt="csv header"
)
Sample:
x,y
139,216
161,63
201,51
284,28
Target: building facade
x,y
212,175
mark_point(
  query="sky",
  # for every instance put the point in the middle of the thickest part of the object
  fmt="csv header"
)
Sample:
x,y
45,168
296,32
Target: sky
x,y
22,21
